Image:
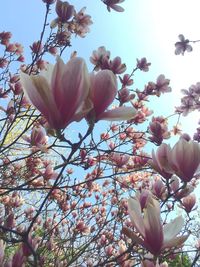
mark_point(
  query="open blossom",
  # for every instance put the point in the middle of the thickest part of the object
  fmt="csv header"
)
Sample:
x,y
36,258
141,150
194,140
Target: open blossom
x,y
81,22
120,159
162,85
143,65
159,130
59,91
103,90
153,235
182,46
99,56
114,5
64,11
183,160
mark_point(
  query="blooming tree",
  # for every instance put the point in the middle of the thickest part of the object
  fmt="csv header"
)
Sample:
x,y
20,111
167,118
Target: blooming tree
x,y
89,198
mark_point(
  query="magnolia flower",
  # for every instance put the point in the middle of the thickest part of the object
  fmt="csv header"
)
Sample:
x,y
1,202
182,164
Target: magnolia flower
x,y
160,162
59,91
182,45
102,93
153,235
189,202
184,159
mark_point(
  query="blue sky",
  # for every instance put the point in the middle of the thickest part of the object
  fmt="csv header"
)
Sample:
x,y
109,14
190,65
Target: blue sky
x,y
147,28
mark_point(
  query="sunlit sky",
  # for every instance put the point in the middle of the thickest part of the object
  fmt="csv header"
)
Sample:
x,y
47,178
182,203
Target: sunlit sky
x,y
147,28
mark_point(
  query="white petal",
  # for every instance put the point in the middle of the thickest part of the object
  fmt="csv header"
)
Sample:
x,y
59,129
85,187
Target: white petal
x,y
135,214
118,114
173,228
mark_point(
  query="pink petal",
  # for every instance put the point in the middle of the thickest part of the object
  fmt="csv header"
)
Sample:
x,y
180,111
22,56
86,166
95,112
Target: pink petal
x,y
103,90
37,91
153,227
135,214
118,114
175,242
70,87
117,8
171,229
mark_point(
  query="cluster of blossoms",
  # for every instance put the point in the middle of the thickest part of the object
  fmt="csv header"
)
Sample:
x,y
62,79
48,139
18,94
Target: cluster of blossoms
x,y
66,92
69,21
191,100
65,192
155,236
12,51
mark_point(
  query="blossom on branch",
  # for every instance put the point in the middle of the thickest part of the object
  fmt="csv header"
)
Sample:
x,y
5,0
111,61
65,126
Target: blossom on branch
x,y
182,45
59,91
154,236
103,91
183,160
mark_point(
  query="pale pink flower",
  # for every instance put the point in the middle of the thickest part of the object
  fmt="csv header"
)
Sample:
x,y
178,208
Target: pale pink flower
x,y
116,66
162,85
98,56
189,202
153,235
5,37
184,159
59,91
38,137
81,22
143,197
143,65
159,189
182,46
120,159
124,95
103,91
64,11
160,162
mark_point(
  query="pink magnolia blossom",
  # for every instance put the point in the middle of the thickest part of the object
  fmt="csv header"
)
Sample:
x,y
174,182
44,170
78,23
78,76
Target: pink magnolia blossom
x,y
102,93
160,161
184,159
182,46
81,22
162,85
99,56
120,159
38,137
189,202
153,235
143,65
159,189
64,10
59,91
